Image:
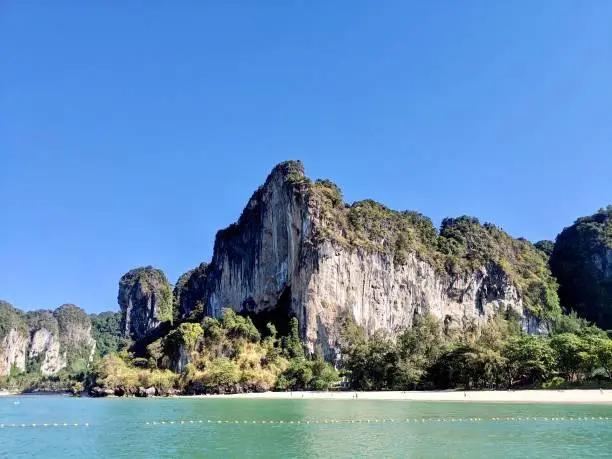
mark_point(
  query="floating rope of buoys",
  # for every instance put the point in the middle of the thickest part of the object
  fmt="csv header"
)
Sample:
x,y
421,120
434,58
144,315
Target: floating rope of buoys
x,y
44,425
327,421
496,419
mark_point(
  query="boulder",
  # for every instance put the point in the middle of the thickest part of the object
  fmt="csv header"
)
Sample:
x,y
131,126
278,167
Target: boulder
x,y
100,392
148,392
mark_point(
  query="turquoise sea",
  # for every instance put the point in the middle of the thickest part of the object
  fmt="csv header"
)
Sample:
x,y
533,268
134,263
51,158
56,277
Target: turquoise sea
x,y
222,428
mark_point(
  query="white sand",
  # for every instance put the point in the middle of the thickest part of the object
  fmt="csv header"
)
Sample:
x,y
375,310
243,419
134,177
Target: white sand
x,y
520,396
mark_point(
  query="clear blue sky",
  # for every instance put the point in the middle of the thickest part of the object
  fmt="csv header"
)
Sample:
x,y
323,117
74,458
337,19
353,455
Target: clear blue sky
x,y
129,134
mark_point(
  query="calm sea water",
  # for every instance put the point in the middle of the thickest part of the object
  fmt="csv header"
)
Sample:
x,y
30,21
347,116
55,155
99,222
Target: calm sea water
x,y
132,428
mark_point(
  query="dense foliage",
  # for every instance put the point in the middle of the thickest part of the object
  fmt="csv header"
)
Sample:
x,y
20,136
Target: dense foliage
x,y
227,355
582,262
74,325
64,381
499,355
11,318
106,330
545,246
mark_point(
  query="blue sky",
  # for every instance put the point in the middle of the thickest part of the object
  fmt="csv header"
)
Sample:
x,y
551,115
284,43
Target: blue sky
x,y
130,134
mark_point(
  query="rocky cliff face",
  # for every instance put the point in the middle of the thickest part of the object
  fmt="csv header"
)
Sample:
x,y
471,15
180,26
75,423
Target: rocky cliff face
x,y
13,348
297,247
45,348
145,299
13,339
582,261
75,334
43,341
44,354
189,292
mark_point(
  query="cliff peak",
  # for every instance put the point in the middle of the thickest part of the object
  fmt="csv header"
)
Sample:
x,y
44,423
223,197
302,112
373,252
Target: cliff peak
x,y
291,169
145,299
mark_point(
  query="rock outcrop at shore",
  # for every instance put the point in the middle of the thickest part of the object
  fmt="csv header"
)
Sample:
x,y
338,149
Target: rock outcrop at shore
x,y
44,341
582,262
145,299
298,249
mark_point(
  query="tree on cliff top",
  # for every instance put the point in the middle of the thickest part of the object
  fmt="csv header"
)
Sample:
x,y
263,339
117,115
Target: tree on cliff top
x,y
11,318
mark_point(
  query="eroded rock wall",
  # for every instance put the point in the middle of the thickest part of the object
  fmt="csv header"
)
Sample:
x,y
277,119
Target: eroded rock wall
x,y
145,299
13,351
276,250
45,341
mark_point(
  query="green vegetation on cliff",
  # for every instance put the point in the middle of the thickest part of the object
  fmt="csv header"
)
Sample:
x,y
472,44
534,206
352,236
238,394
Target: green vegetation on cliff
x,y
75,336
467,244
188,295
146,297
463,245
42,318
106,330
69,326
582,262
545,246
11,318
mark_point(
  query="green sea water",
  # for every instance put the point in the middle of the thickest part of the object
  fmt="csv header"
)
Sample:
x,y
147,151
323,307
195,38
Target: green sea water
x,y
240,428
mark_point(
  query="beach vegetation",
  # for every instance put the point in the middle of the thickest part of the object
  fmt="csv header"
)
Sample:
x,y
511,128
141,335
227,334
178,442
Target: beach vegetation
x,y
498,355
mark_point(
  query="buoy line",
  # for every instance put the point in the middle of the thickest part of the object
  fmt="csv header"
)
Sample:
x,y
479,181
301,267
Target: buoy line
x,y
43,425
383,420
183,422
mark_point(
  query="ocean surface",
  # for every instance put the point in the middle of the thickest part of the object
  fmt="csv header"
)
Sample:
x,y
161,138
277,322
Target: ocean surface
x,y
228,428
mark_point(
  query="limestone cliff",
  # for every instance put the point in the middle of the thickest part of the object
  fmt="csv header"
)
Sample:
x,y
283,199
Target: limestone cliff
x,y
298,248
189,292
75,334
45,346
13,339
13,348
44,353
145,299
44,341
582,261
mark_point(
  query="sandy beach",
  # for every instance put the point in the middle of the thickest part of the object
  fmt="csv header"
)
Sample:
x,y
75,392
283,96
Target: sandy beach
x,y
520,396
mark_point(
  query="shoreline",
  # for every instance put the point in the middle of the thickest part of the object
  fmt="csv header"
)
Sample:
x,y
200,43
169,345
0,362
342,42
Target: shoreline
x,y
538,396
587,396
